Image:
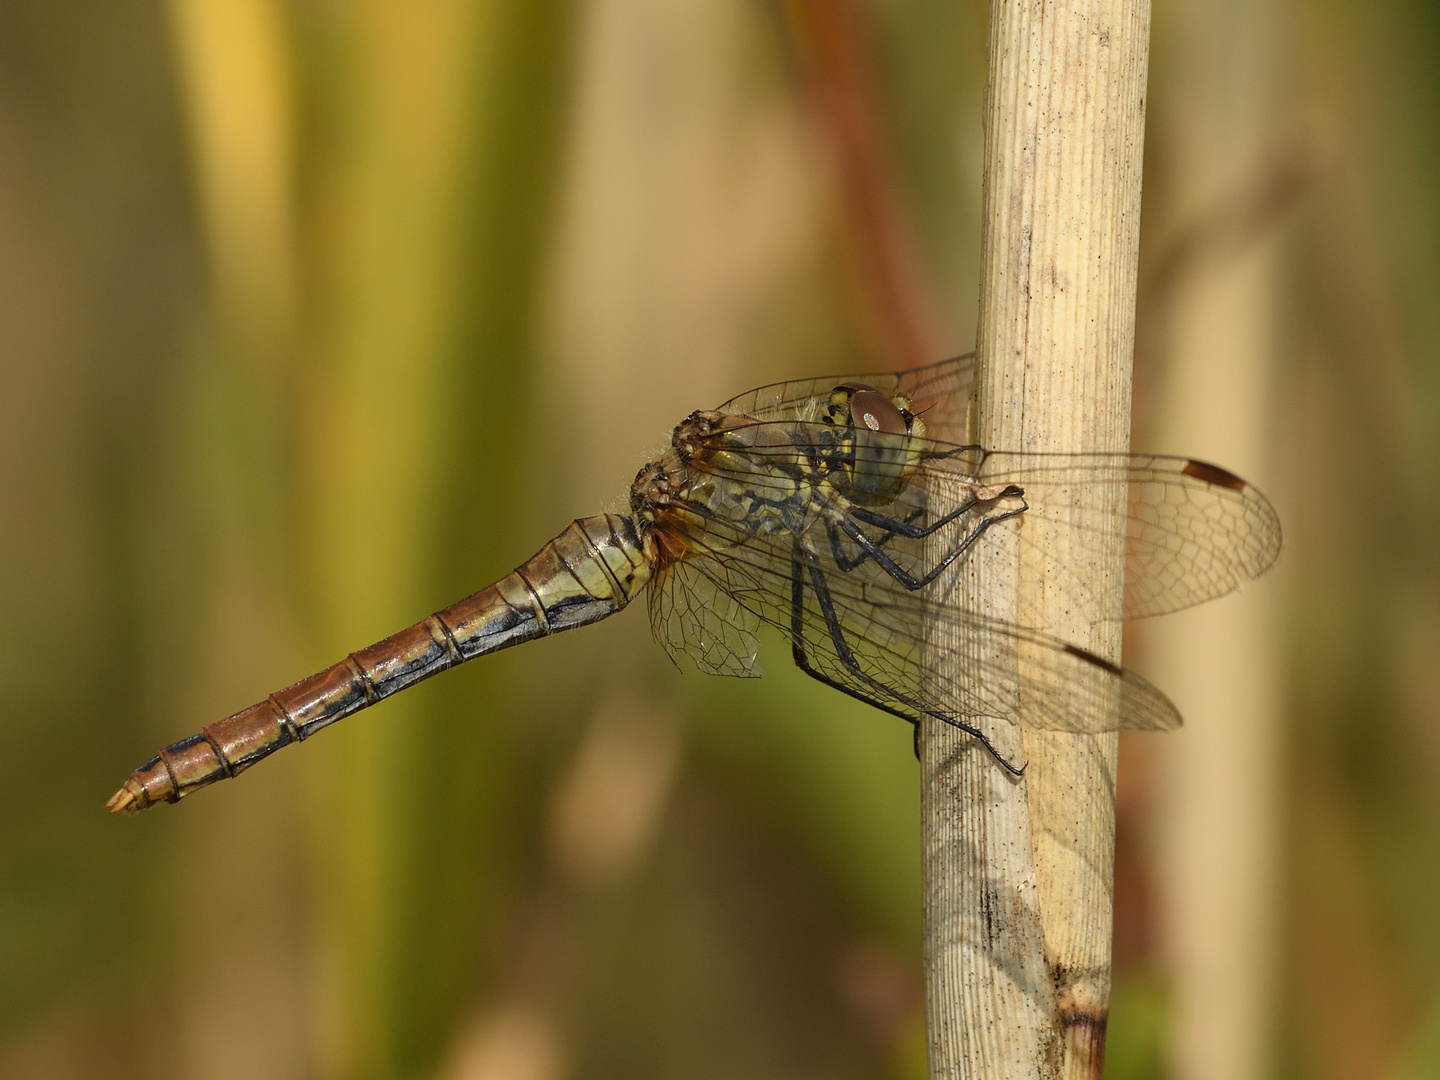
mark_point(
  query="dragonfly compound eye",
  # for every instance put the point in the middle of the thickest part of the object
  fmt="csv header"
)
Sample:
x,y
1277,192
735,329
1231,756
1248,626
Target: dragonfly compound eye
x,y
872,410
881,454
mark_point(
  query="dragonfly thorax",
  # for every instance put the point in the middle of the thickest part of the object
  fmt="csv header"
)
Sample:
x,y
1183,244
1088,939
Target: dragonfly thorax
x,y
725,478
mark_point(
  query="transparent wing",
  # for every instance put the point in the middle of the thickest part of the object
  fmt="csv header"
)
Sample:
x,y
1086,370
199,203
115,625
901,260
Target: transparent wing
x,y
1193,532
702,615
854,626
856,588
939,392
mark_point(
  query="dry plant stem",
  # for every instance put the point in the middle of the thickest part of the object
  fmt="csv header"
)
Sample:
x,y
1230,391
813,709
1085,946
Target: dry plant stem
x,y
1018,874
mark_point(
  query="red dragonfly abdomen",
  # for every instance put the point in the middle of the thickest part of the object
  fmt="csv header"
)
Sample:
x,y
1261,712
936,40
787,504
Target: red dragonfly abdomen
x,y
591,570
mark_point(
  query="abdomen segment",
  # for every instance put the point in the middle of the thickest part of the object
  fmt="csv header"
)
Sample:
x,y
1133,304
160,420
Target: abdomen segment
x,y
591,570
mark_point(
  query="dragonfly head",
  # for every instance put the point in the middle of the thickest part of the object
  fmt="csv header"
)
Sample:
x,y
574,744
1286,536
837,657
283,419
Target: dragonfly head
x,y
703,431
657,503
879,441
706,439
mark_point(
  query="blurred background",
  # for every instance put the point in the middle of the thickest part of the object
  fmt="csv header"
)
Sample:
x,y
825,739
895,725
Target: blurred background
x,y
316,317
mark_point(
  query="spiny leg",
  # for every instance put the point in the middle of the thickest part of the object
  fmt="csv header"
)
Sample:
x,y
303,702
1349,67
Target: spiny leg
x,y
910,581
837,550
801,558
907,527
797,642
845,562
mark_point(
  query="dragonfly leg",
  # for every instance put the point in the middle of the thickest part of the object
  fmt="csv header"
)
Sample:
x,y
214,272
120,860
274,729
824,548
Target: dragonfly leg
x,y
908,528
802,660
910,581
845,562
801,560
837,551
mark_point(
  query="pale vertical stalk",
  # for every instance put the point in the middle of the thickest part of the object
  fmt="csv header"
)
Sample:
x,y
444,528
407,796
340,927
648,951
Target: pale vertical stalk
x,y
1018,873
1219,806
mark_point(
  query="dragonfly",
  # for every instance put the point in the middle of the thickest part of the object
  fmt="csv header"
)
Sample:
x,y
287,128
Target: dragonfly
x,y
839,511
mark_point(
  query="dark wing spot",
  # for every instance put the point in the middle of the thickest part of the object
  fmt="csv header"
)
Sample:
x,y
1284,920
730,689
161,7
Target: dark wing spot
x,y
1090,658
1213,474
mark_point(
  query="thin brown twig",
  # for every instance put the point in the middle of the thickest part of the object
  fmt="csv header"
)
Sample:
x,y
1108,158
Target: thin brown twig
x,y
836,61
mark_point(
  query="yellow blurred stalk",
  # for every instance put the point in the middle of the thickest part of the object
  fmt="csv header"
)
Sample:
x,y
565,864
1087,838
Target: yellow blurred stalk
x,y
426,210
426,238
370,447
234,70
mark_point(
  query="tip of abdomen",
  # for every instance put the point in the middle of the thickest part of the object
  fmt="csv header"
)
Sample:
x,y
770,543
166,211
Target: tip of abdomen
x,y
130,799
154,782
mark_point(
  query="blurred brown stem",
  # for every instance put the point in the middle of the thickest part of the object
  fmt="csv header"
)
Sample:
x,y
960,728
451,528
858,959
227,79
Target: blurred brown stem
x,y
836,59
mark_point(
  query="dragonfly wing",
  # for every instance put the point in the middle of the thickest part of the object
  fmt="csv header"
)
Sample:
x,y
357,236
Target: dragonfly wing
x,y
696,609
852,586
933,650
939,392
1194,532
854,625
994,667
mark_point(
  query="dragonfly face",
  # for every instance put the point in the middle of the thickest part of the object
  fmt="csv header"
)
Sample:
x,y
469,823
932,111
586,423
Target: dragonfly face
x,y
832,511
879,441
